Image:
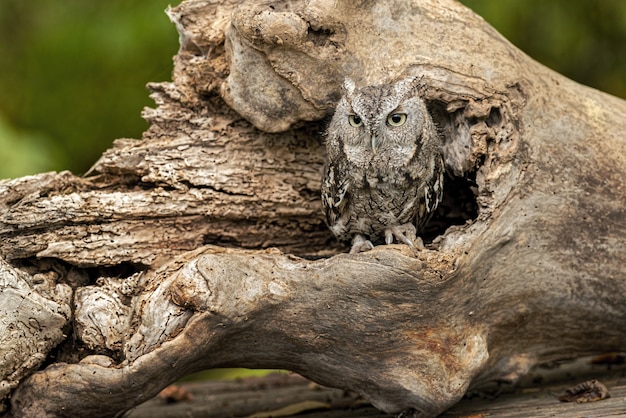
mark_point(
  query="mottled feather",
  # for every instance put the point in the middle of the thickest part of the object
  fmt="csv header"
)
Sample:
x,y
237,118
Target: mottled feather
x,y
384,173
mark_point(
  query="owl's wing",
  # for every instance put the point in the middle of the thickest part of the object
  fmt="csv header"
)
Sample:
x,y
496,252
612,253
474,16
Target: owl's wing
x,y
433,194
335,185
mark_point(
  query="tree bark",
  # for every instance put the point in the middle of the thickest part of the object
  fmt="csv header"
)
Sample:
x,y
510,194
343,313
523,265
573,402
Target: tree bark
x,y
202,245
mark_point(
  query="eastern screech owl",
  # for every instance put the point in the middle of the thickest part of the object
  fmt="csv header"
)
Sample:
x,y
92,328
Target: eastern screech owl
x,y
384,174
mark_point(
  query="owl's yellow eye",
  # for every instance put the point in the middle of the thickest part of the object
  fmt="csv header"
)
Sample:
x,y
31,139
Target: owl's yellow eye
x,y
396,119
355,121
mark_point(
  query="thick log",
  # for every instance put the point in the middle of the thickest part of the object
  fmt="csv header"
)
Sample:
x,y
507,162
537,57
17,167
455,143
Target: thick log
x,y
524,265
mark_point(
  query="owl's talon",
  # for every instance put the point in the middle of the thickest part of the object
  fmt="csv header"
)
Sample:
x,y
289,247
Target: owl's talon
x,y
406,234
388,236
419,244
360,244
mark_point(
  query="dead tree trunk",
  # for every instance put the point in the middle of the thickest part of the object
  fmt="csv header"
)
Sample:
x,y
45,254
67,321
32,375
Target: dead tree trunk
x,y
199,245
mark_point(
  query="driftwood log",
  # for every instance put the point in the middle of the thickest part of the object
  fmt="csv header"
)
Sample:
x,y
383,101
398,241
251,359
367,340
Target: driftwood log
x,y
202,245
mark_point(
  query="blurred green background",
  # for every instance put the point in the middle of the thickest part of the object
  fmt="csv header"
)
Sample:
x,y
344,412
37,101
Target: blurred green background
x,y
73,73
73,76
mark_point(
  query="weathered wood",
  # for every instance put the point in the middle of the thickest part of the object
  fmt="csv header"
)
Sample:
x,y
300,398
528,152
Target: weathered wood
x,y
198,188
35,313
525,265
337,323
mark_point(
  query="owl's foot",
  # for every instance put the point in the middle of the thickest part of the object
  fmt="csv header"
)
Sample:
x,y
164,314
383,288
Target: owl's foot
x,y
360,244
406,234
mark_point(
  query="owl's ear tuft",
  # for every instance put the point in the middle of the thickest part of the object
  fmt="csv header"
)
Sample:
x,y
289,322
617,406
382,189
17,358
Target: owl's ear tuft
x,y
410,86
349,86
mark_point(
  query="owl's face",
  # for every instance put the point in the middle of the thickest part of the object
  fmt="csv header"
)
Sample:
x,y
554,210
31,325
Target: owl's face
x,y
385,121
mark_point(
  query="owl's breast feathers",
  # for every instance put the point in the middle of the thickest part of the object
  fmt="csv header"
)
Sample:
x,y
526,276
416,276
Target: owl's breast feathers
x,y
369,200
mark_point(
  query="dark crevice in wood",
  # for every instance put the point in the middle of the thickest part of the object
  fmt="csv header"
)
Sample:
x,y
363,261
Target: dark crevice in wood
x,y
458,206
120,271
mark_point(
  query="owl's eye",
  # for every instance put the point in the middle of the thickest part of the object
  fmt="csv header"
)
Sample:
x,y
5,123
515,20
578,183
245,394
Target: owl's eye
x,y
396,119
355,121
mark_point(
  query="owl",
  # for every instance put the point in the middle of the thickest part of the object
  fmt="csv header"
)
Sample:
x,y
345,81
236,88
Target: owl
x,y
384,173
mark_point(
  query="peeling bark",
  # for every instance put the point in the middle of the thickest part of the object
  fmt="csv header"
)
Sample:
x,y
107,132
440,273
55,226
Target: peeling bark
x,y
199,245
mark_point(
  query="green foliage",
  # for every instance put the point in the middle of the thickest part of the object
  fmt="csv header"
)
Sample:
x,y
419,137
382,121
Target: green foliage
x,y
72,73
24,149
583,40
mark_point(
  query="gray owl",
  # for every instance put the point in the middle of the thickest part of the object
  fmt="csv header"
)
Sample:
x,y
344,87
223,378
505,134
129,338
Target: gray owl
x,y
384,174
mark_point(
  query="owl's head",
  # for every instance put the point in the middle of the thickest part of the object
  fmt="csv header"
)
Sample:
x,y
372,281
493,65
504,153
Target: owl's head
x,y
383,117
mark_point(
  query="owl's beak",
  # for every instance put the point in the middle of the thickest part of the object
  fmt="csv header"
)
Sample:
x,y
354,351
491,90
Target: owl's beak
x,y
375,143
